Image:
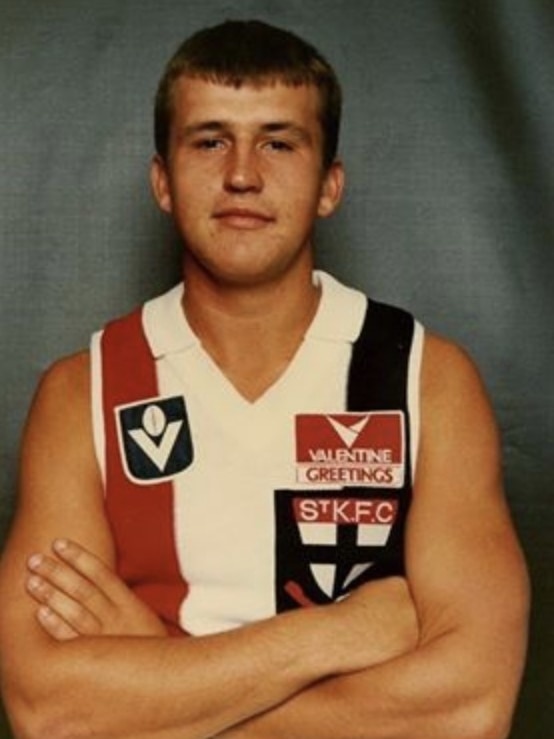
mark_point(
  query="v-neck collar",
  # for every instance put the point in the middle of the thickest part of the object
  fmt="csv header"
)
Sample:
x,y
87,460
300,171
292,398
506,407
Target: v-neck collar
x,y
338,318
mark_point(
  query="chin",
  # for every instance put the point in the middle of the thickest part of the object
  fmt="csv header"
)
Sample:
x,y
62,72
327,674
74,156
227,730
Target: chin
x,y
234,267
244,279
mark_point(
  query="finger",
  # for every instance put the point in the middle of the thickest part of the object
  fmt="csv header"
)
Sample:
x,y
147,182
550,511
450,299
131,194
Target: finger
x,y
72,613
54,625
67,580
91,567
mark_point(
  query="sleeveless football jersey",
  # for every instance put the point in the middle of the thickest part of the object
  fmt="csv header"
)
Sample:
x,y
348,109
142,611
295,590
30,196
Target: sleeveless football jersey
x,y
225,511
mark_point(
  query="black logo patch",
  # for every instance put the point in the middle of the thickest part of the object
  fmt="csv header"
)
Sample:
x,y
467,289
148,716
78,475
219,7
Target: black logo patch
x,y
328,542
154,438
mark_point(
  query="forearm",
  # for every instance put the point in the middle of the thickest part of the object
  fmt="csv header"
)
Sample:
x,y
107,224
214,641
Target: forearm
x,y
196,687
154,687
437,691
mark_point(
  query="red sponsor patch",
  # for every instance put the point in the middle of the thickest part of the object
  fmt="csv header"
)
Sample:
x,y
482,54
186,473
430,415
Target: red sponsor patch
x,y
351,449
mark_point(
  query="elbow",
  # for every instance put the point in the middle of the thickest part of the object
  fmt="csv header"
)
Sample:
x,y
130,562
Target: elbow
x,y
49,717
42,725
492,725
485,718
48,697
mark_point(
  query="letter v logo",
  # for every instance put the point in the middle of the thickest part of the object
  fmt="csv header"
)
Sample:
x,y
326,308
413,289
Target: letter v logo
x,y
158,452
349,433
155,439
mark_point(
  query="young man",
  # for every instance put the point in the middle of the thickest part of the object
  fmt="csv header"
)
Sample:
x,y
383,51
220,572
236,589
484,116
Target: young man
x,y
270,507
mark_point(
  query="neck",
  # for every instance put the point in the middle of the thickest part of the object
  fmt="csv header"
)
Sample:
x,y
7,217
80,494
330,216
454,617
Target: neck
x,y
252,332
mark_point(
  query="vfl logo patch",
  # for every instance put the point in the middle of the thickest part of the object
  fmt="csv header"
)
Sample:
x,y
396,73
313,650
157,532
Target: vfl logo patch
x,y
347,449
154,439
330,542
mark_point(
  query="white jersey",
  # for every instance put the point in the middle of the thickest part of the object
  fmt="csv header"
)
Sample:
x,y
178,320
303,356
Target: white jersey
x,y
240,455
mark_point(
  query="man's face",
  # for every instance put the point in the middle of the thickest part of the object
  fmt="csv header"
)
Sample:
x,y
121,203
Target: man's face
x,y
244,178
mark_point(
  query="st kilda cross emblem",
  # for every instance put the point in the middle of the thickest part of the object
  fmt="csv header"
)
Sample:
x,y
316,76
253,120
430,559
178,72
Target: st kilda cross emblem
x,y
329,542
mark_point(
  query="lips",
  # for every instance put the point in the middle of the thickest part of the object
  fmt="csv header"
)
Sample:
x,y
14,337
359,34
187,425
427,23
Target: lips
x,y
245,218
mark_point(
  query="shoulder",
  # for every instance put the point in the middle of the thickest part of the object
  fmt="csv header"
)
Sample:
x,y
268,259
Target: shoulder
x,y
61,404
447,370
457,420
68,378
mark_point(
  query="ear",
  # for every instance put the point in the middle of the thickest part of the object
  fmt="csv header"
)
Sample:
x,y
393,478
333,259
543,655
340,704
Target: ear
x,y
331,190
159,180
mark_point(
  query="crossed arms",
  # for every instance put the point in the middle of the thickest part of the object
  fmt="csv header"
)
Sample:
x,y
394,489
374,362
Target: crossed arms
x,y
359,668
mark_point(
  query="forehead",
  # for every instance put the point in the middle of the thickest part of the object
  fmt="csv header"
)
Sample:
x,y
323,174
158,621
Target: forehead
x,y
197,100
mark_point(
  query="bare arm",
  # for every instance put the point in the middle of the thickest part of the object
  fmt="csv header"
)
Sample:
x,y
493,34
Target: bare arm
x,y
145,686
469,583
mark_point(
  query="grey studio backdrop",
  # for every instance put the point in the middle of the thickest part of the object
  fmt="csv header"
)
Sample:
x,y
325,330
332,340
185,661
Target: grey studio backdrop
x,y
448,140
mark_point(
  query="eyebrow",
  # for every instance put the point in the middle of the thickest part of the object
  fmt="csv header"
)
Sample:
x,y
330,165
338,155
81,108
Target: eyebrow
x,y
287,127
219,126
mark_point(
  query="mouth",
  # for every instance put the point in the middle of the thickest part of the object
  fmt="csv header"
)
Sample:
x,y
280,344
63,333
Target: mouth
x,y
243,218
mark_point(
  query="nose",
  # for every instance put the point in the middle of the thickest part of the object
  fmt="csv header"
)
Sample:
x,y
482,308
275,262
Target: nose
x,y
242,173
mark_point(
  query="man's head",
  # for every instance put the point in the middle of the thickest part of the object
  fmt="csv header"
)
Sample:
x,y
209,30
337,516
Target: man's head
x,y
251,52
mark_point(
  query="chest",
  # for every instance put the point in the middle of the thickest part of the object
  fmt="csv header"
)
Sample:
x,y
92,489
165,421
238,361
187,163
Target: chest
x,y
226,511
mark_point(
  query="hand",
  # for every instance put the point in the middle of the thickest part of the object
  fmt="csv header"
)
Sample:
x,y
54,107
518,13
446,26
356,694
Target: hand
x,y
81,596
376,622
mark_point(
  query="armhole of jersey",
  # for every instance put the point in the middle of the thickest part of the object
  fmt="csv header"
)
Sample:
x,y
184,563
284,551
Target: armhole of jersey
x,y
98,430
414,377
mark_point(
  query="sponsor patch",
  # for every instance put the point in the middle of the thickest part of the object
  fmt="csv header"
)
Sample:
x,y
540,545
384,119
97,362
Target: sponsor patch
x,y
154,438
351,449
330,542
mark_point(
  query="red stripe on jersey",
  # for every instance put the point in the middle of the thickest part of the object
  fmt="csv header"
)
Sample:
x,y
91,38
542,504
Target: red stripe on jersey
x,y
141,516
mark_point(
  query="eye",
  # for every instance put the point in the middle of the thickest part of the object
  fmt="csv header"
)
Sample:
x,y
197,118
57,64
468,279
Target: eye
x,y
209,144
278,145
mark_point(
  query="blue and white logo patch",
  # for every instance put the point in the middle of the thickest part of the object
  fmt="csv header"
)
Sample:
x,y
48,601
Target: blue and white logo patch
x,y
154,439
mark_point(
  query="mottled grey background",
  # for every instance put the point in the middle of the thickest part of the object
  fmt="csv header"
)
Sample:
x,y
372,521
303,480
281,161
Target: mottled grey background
x,y
448,140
